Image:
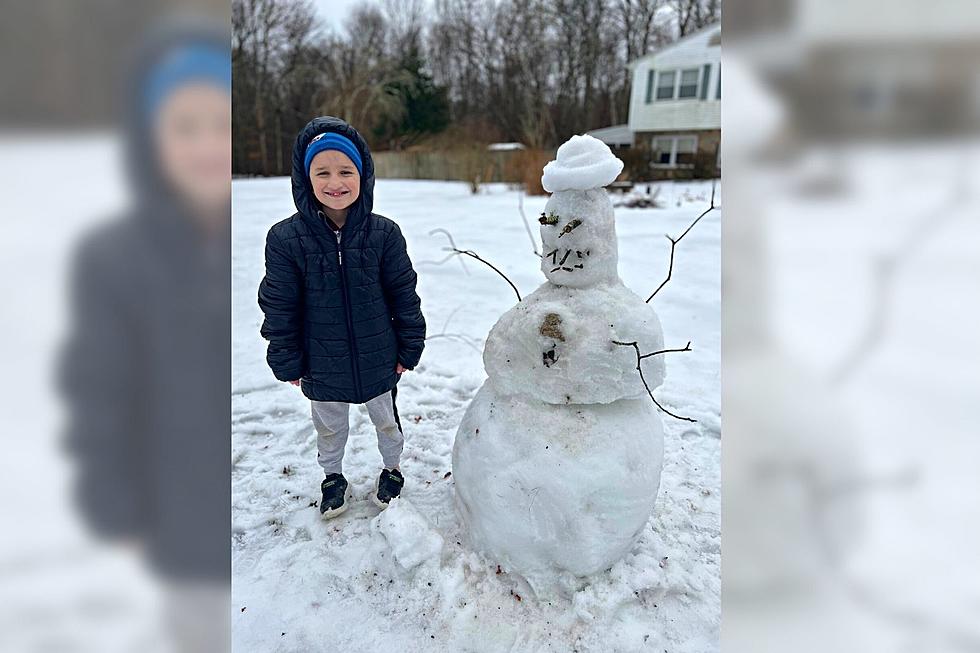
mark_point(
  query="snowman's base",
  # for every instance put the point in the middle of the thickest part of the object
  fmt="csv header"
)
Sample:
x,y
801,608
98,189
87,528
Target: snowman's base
x,y
549,490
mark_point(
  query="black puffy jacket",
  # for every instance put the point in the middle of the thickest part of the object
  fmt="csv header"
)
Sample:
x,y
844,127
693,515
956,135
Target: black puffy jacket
x,y
144,371
340,307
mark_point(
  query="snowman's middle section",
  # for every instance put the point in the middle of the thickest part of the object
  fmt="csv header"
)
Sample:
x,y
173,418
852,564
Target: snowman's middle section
x,y
557,345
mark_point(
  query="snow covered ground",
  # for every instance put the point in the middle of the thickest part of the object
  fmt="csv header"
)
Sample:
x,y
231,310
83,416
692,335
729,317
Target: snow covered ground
x,y
62,589
406,578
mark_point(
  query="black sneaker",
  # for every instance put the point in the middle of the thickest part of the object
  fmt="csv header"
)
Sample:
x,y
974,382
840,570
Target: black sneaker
x,y
336,495
388,487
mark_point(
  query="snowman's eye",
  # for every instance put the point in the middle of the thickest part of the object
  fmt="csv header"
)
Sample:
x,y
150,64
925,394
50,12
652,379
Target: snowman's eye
x,y
551,218
570,227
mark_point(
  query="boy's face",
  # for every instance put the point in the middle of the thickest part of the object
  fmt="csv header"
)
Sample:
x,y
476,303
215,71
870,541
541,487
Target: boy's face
x,y
335,180
193,138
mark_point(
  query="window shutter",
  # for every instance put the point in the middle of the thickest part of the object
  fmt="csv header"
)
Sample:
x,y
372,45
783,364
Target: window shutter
x,y
705,78
650,86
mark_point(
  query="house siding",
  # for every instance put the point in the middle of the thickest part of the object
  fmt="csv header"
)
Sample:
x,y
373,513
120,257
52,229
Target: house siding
x,y
689,113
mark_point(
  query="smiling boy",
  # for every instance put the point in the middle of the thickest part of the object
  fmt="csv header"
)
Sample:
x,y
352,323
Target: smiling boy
x,y
342,316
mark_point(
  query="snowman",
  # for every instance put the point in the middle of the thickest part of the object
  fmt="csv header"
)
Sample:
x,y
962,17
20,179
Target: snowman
x,y
557,459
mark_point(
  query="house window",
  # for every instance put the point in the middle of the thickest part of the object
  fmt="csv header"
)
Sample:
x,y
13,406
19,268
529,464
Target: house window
x,y
685,150
718,92
677,84
689,84
675,151
663,152
665,85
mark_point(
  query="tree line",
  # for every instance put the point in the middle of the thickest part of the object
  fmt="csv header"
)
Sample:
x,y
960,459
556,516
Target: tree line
x,y
446,72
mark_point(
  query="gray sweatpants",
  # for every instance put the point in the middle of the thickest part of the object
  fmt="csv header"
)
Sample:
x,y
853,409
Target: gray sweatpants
x,y
332,428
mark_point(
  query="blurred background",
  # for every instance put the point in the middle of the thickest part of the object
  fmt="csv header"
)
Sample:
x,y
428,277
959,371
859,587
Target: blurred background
x,y
850,258
850,343
115,159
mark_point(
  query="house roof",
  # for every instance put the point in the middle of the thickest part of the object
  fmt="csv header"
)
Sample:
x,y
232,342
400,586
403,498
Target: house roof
x,y
614,135
504,147
671,46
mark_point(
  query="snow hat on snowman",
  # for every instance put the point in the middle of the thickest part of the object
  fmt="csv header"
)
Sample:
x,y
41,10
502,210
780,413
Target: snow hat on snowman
x,y
582,163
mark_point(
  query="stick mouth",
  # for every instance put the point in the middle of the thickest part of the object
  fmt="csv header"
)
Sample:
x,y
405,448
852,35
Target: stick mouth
x,y
568,260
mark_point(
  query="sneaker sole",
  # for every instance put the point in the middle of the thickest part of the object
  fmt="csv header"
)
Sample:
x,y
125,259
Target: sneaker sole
x,y
336,512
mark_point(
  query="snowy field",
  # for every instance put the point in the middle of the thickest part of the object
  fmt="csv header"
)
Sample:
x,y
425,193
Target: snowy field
x,y
407,579
61,588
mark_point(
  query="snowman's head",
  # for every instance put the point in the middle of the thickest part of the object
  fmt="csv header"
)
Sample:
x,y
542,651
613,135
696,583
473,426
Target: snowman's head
x,y
578,235
578,231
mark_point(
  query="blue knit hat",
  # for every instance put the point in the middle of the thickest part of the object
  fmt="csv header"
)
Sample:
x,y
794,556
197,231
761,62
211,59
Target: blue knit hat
x,y
190,63
332,141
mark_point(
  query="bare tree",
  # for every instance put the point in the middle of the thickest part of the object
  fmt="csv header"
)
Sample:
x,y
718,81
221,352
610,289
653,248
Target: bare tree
x,y
261,20
360,77
263,30
536,71
643,26
460,53
692,15
406,22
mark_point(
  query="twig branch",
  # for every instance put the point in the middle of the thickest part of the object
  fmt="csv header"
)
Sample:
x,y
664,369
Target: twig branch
x,y
449,319
674,241
527,225
686,347
455,251
819,501
639,368
466,340
452,243
473,254
885,270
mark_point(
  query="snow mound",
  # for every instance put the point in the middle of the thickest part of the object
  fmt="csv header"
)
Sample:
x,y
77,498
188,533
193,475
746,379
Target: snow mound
x,y
582,162
549,490
409,535
557,345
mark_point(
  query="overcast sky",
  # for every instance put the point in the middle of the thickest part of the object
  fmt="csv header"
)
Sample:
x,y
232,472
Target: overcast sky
x,y
335,11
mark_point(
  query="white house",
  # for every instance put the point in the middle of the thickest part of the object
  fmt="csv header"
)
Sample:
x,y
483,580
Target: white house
x,y
615,136
875,69
675,105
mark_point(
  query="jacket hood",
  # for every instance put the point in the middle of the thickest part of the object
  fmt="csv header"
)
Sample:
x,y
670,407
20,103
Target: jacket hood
x,y
306,202
142,164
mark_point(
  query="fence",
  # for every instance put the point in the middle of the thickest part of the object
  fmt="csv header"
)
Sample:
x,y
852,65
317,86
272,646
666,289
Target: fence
x,y
474,165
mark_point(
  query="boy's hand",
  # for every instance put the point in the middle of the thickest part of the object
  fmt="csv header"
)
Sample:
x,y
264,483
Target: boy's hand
x,y
296,382
399,369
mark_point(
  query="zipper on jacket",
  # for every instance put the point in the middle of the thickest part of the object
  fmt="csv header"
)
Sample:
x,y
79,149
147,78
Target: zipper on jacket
x,y
355,370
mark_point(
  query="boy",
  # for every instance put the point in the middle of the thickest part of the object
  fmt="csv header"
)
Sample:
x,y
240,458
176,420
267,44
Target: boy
x,y
342,316
144,372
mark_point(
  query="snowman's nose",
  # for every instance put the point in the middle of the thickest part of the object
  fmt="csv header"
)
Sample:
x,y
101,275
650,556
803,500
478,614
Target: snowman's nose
x,y
570,227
